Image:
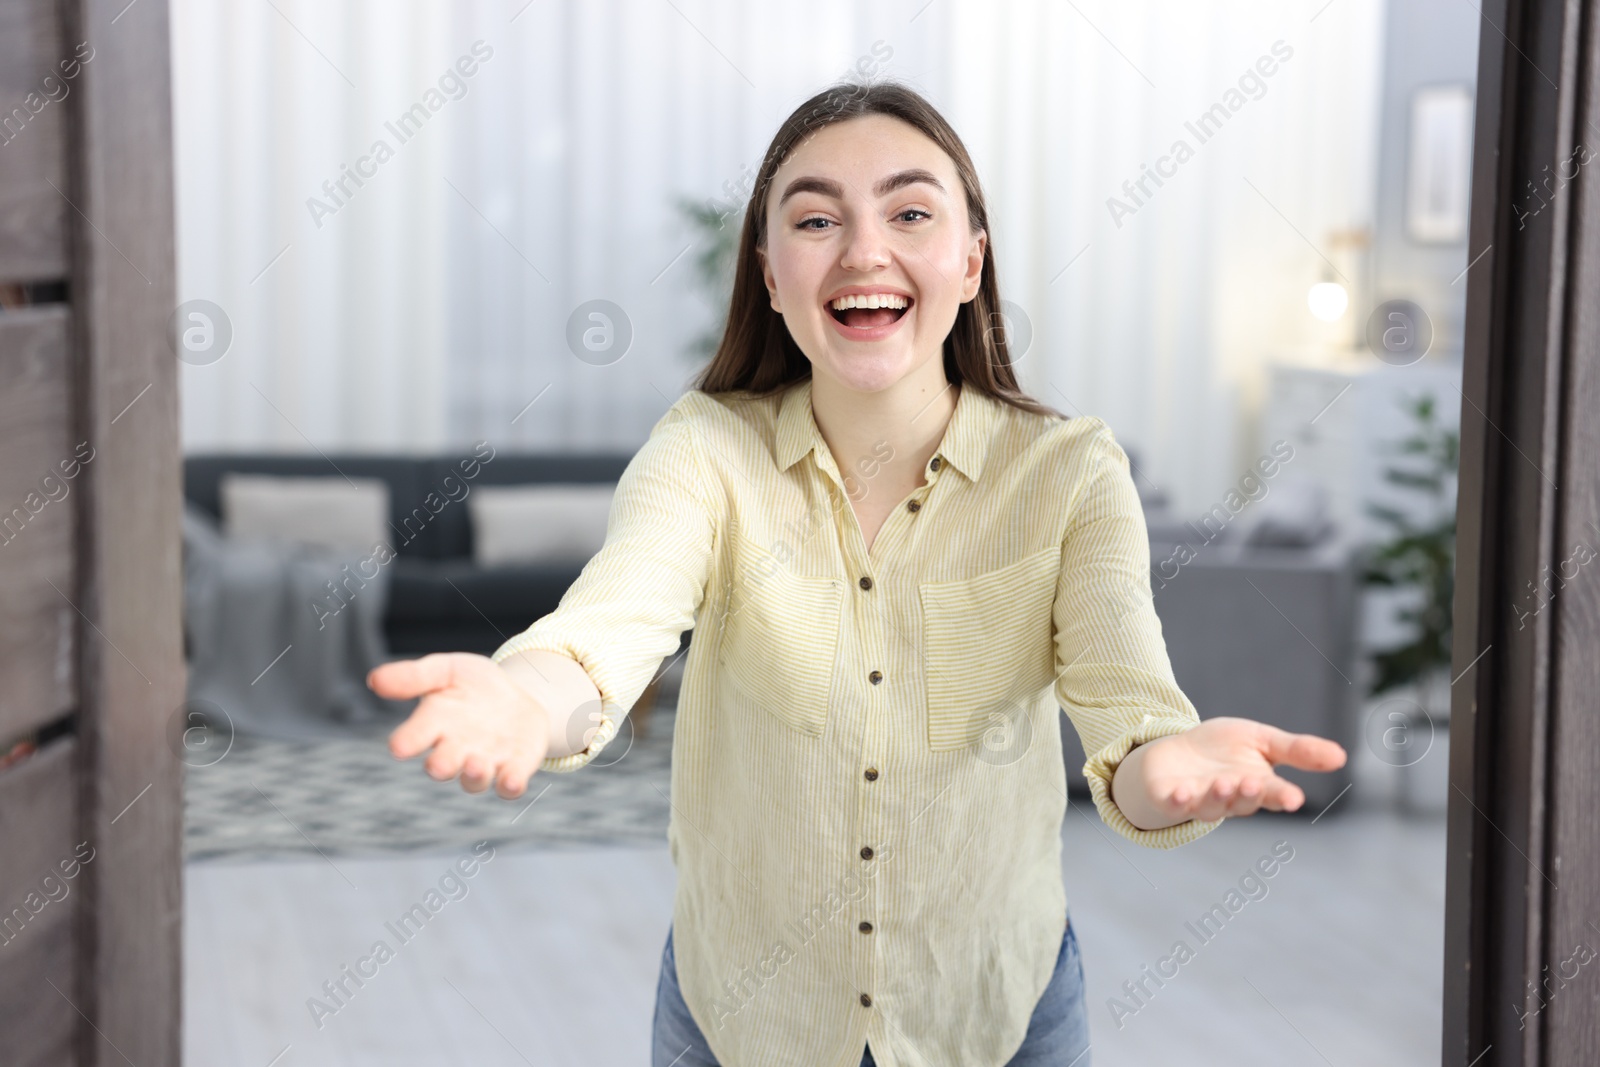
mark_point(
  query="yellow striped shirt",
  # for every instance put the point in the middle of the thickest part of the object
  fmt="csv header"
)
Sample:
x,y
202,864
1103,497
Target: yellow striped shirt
x,y
867,774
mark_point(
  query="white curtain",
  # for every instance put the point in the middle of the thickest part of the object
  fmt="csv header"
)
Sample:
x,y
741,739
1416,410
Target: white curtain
x,y
429,307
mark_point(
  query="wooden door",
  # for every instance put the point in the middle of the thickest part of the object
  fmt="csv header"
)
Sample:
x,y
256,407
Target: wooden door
x,y
1522,896
91,665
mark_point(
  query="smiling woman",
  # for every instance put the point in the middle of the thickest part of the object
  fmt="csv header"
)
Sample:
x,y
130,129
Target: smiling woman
x,y
903,654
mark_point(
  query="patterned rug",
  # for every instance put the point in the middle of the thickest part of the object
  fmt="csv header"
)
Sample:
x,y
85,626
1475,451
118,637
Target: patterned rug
x,y
350,796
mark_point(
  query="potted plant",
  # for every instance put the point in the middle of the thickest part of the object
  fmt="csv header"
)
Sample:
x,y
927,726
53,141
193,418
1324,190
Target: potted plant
x,y
716,232
1418,558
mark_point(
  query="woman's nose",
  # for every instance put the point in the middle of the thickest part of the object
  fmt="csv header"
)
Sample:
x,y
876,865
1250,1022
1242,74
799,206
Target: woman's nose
x,y
866,246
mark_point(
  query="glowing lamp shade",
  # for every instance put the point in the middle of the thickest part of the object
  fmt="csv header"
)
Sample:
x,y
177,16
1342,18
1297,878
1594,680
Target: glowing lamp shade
x,y
1327,300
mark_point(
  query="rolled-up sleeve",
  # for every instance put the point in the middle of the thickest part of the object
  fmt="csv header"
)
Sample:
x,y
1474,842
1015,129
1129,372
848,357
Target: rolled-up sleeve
x,y
630,605
1113,676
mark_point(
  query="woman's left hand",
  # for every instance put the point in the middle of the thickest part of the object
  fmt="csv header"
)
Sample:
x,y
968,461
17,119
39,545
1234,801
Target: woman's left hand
x,y
1222,767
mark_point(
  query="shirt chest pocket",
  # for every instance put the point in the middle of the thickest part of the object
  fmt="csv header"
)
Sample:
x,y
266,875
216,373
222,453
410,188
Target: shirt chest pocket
x,y
780,638
988,642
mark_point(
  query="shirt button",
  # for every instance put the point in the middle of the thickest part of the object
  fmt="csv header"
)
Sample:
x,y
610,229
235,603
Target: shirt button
x,y
865,927
875,677
915,505
871,774
866,583
866,1000
866,852
935,463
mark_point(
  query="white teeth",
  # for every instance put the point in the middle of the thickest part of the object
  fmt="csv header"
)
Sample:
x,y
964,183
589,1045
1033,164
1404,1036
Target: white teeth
x,y
872,300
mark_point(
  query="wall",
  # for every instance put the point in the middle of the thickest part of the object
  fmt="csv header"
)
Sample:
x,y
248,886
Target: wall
x,y
1427,43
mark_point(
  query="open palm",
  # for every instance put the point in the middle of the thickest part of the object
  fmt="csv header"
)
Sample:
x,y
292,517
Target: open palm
x,y
478,722
1224,767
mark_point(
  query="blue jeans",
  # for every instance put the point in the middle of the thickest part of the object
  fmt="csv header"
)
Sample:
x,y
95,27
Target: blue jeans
x,y
1058,1032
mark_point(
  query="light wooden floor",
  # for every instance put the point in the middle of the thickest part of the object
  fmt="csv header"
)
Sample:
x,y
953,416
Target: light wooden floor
x,y
1339,963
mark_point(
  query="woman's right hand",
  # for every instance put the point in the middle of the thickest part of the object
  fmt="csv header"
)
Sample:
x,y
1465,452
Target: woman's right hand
x,y
479,723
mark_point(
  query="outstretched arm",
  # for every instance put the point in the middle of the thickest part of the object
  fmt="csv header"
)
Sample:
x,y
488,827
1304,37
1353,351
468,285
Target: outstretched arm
x,y
553,696
1159,775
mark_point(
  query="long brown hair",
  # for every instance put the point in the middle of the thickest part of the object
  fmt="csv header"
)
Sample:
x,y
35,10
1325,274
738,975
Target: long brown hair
x,y
758,355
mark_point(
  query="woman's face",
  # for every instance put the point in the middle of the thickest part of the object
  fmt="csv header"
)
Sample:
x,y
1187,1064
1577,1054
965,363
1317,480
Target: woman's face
x,y
870,206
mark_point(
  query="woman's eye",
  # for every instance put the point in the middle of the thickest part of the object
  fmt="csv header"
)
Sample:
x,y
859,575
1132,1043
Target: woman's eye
x,y
802,224
915,211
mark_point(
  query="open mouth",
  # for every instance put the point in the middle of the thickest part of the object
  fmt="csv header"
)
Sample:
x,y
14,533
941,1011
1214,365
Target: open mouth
x,y
868,318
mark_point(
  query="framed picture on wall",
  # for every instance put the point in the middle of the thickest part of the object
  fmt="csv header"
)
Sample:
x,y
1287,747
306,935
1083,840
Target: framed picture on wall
x,y
1439,164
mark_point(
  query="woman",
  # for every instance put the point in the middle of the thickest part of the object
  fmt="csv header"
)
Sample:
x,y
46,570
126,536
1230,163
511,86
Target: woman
x,y
896,566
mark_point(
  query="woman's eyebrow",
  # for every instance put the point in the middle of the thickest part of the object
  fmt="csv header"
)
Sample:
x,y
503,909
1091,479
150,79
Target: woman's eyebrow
x,y
828,187
900,179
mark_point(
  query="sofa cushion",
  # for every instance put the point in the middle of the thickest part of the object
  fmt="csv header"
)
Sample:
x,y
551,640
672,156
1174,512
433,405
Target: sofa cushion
x,y
202,482
451,532
427,519
538,523
319,511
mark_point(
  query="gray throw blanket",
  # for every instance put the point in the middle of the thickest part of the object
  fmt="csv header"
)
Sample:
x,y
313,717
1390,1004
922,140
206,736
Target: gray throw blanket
x,y
272,646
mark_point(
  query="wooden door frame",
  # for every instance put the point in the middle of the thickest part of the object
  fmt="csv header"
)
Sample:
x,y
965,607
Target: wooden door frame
x,y
130,581
1523,863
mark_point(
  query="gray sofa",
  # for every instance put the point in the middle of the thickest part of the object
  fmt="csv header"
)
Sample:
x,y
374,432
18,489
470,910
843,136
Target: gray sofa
x,y
1232,651
440,600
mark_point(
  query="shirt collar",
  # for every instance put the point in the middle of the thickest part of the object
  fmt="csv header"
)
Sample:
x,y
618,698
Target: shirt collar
x,y
966,437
